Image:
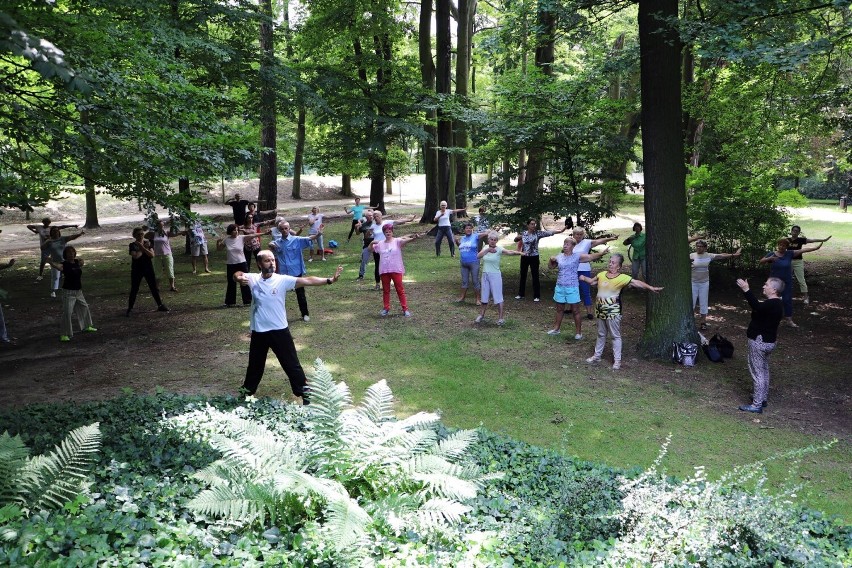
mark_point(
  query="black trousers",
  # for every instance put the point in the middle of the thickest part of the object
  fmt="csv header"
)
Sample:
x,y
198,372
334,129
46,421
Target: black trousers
x,y
303,301
531,263
352,229
231,290
136,276
376,266
281,343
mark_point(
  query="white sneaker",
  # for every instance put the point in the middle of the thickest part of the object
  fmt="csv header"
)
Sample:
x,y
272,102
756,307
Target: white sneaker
x,y
554,332
383,313
478,319
807,300
306,318
536,300
39,278
616,366
593,359
310,260
519,297
53,294
578,336
501,322
407,314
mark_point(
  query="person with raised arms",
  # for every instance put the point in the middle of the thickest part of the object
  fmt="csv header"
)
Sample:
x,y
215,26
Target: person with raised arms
x,y
567,290
268,322
492,278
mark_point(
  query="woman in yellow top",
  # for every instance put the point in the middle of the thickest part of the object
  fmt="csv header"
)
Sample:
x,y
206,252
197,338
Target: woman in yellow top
x,y
608,306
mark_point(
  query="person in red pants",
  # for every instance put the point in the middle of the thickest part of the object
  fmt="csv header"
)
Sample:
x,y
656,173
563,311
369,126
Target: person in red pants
x,y
391,267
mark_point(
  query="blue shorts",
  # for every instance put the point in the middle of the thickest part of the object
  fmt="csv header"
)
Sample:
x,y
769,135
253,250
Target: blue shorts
x,y
566,295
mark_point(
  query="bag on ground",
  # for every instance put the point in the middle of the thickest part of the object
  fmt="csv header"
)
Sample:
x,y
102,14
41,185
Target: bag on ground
x,y
724,345
684,353
713,353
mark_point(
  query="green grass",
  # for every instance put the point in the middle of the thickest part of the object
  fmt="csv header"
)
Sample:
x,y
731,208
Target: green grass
x,y
514,380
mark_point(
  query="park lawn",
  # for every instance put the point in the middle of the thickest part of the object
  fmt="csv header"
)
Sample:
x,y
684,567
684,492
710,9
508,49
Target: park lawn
x,y
514,380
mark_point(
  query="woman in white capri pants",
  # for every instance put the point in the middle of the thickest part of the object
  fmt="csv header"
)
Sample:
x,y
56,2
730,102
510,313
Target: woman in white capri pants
x,y
701,260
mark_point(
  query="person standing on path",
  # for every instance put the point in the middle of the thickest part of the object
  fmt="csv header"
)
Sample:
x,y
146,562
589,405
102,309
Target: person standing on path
x,y
54,246
492,278
73,301
269,327
636,252
239,206
357,212
141,266
234,245
797,241
762,336
391,267
445,228
567,290
700,260
608,306
528,244
585,246
781,266
43,232
289,260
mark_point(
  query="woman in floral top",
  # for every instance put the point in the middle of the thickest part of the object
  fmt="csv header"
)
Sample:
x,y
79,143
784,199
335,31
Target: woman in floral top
x,y
528,244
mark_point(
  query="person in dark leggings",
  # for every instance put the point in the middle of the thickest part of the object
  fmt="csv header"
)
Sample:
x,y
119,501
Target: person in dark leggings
x,y
234,244
528,244
445,228
269,328
141,266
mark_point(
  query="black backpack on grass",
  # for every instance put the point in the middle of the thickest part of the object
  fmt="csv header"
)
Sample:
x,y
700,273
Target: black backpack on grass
x,y
725,347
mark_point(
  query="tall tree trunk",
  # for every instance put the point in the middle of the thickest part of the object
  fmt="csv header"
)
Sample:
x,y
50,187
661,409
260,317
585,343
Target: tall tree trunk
x,y
443,46
377,182
346,185
544,56
427,76
466,10
668,314
267,197
298,158
186,201
88,181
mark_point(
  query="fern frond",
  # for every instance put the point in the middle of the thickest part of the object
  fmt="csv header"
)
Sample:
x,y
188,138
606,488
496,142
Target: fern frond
x,y
456,445
445,485
241,503
328,401
62,474
435,512
377,404
346,522
13,458
419,420
414,442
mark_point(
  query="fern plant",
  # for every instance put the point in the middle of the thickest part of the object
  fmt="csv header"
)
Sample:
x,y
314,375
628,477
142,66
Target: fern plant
x,y
48,481
354,469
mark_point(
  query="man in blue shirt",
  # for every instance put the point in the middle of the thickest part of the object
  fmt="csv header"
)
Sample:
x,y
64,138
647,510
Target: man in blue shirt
x,y
289,260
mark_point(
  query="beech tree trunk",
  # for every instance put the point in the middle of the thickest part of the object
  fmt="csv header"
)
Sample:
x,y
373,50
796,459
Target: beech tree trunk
x,y
427,75
298,158
267,196
88,181
669,313
466,10
443,45
346,185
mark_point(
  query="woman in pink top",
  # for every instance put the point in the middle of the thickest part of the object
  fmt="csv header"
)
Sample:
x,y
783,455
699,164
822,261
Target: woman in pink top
x,y
391,267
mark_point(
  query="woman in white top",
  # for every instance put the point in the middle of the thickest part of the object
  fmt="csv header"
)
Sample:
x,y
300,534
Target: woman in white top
x,y
445,229
234,245
701,260
315,220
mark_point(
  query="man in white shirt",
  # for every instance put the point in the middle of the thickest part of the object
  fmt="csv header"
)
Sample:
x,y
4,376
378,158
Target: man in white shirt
x,y
269,327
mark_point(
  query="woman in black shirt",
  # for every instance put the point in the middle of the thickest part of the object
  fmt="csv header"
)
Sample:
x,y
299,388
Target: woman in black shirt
x,y
73,302
142,267
762,336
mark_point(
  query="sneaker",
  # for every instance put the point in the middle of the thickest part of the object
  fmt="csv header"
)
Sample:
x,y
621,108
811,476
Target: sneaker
x,y
807,300
501,322
536,299
90,329
39,278
127,313
590,317
578,336
64,338
305,399
53,294
519,297
756,408
359,278
324,259
306,318
383,313
377,287
207,270
554,332
310,260
478,319
406,313
162,308
616,366
593,359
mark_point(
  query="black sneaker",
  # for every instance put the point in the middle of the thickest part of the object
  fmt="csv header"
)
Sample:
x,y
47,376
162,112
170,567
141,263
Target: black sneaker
x,y
590,317
756,408
162,308
127,313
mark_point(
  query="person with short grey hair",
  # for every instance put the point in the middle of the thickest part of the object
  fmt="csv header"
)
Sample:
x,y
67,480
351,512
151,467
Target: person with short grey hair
x,y
445,228
762,336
